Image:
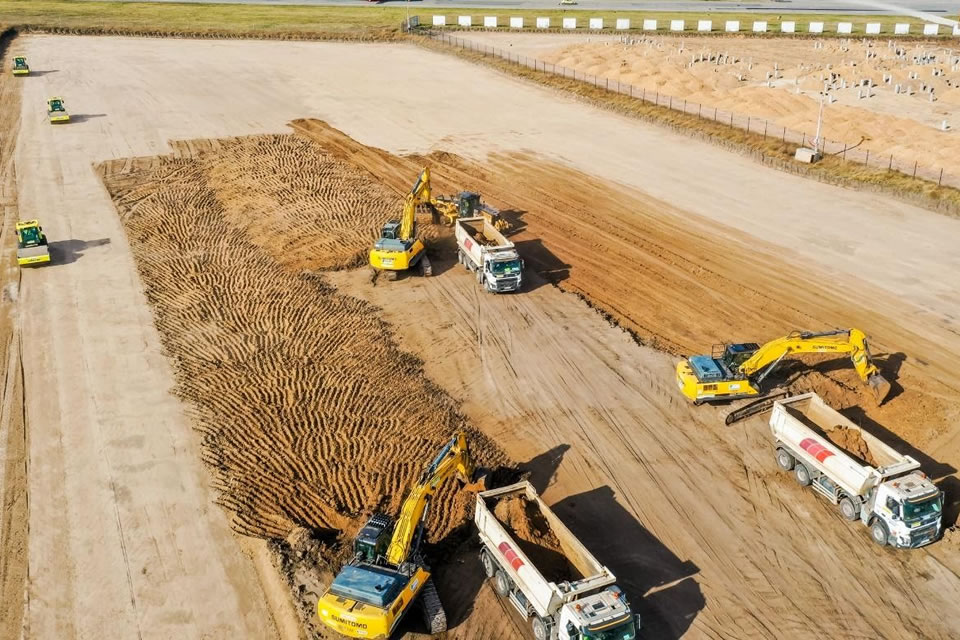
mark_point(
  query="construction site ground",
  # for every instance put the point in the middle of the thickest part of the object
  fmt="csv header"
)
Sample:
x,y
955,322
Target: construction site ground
x,y
657,246
779,82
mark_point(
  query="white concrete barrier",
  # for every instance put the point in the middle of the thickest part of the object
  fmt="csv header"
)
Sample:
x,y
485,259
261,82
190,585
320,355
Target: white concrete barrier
x,y
815,27
516,22
465,21
846,27
873,28
649,25
569,23
543,23
931,29
490,21
901,28
623,23
788,27
439,21
704,25
760,26
677,25
956,29
732,26
596,23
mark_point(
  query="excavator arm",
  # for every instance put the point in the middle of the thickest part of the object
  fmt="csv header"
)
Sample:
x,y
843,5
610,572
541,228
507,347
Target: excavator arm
x,y
851,341
419,194
454,458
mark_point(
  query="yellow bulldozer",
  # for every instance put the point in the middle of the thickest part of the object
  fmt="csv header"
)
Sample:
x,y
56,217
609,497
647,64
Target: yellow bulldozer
x,y
31,243
20,66
735,371
387,572
57,111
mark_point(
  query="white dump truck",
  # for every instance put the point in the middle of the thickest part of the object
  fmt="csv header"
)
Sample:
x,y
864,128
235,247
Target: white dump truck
x,y
884,490
590,607
481,248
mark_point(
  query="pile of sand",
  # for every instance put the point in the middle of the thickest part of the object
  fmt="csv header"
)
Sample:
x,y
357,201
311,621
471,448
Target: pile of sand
x,y
524,521
851,441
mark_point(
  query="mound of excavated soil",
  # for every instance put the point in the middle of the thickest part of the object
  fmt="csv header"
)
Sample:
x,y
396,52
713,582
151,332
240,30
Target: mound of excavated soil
x,y
524,521
311,415
851,441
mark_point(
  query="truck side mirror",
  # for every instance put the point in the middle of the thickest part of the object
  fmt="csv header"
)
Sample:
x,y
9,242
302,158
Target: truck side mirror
x,y
572,630
637,623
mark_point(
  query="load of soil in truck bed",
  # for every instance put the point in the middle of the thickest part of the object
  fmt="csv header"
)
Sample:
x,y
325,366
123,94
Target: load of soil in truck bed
x,y
851,441
525,523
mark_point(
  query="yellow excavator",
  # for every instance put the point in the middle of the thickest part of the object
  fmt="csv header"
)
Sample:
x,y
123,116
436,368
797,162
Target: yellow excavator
x,y
735,371
20,66
387,573
398,248
465,204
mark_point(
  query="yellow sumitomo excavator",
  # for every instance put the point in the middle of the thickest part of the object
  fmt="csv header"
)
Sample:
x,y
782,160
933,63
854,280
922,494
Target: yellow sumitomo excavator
x,y
737,370
376,588
398,248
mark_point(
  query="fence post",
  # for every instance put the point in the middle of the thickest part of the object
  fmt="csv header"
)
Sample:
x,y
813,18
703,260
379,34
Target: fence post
x,y
731,120
748,124
714,114
890,167
867,161
643,95
914,169
671,102
765,124
784,135
940,179
699,109
804,142
844,151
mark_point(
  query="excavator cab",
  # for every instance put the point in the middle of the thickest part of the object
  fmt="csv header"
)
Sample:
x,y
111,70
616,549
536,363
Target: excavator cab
x,y
390,230
372,541
734,355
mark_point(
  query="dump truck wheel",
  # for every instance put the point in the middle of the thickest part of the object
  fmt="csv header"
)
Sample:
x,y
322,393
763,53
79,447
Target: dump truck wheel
x,y
501,583
489,567
849,509
803,476
878,531
540,631
784,460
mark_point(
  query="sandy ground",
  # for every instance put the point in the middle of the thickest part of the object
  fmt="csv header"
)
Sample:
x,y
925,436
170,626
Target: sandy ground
x,y
732,74
115,483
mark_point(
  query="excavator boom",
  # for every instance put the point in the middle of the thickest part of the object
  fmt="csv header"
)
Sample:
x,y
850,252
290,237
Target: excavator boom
x,y
737,370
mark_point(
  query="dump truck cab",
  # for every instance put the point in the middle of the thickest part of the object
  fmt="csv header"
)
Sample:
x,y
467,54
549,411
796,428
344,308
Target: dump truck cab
x,y
602,616
20,66
910,508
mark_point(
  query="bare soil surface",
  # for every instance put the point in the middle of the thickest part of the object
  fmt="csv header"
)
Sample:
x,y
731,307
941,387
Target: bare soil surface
x,y
707,539
779,80
524,522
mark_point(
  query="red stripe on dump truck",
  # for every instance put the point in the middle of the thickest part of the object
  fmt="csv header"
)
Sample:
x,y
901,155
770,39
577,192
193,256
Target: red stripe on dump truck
x,y
815,449
511,556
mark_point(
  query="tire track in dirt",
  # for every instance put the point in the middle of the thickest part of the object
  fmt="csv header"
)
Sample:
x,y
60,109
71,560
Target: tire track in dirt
x,y
681,283
311,414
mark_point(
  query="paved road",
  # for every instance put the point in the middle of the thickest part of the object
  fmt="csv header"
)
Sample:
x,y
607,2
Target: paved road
x,y
936,7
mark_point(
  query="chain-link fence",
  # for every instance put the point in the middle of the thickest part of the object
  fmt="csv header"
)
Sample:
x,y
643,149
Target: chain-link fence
x,y
844,151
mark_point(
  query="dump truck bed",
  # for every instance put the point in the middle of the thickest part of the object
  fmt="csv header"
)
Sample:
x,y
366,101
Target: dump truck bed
x,y
812,429
545,595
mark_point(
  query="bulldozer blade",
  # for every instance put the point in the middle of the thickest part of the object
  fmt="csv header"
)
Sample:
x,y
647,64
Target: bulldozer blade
x,y
879,386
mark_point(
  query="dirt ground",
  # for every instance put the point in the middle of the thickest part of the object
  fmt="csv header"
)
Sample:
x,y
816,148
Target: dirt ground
x,y
780,80
708,539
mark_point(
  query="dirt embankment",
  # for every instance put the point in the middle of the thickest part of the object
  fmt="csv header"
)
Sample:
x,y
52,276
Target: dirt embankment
x,y
680,284
525,523
312,415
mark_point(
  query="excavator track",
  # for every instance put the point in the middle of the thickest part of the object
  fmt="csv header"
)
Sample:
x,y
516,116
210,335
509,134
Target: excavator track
x,y
759,406
433,614
426,269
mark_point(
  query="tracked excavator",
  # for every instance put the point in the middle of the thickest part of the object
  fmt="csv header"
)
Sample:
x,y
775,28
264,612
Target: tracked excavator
x,y
465,204
387,572
735,371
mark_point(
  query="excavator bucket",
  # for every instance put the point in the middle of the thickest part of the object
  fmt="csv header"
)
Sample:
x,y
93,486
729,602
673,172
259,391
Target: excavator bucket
x,y
477,482
879,386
